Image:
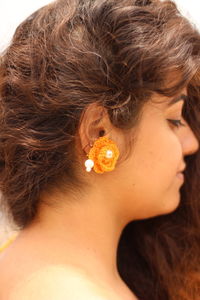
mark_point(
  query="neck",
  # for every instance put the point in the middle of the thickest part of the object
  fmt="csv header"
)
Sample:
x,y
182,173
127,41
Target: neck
x,y
85,233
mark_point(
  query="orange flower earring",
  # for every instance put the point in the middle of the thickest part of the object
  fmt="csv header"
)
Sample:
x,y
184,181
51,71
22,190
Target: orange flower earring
x,y
103,156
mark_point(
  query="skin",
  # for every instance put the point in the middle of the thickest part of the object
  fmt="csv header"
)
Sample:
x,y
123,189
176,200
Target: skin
x,y
150,173
142,186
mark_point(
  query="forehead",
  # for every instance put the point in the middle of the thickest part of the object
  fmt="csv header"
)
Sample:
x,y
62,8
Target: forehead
x,y
167,102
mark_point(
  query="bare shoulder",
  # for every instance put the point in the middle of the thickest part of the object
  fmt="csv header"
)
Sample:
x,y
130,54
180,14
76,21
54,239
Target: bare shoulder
x,y
60,283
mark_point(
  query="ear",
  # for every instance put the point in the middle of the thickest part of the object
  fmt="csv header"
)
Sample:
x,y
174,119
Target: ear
x,y
94,123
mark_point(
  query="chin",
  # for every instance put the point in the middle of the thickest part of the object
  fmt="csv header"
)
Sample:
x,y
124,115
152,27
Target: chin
x,y
167,206
172,204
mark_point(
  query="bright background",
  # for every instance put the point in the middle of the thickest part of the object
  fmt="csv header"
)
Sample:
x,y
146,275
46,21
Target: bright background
x,y
12,13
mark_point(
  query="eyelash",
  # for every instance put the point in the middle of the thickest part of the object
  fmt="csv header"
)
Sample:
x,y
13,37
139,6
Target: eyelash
x,y
176,123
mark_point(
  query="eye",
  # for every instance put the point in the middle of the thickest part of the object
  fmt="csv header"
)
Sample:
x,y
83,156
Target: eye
x,y
176,123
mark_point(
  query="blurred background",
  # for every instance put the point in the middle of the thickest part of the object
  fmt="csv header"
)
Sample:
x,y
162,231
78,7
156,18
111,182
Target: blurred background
x,y
13,12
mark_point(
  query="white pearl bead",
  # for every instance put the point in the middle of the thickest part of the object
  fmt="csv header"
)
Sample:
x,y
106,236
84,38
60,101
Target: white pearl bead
x,y
89,164
109,154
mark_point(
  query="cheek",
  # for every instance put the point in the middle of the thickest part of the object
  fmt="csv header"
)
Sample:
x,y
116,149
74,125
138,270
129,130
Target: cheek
x,y
157,156
150,173
146,183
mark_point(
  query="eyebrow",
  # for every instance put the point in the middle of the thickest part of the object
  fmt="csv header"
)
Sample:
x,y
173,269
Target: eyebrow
x,y
181,97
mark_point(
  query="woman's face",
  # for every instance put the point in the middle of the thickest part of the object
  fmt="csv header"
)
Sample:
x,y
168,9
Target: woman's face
x,y
149,184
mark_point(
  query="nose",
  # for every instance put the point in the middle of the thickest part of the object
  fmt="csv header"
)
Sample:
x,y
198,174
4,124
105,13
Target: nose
x,y
189,141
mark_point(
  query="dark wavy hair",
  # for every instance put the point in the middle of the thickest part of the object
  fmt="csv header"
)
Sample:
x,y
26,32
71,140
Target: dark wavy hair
x,y
69,54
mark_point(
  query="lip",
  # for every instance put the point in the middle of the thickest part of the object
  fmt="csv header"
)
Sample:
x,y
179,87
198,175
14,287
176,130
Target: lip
x,y
180,176
182,169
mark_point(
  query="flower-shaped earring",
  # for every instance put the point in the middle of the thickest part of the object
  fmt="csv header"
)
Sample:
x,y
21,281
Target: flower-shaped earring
x,y
102,156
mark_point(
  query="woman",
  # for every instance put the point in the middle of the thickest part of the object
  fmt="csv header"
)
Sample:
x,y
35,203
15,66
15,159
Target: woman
x,y
99,119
